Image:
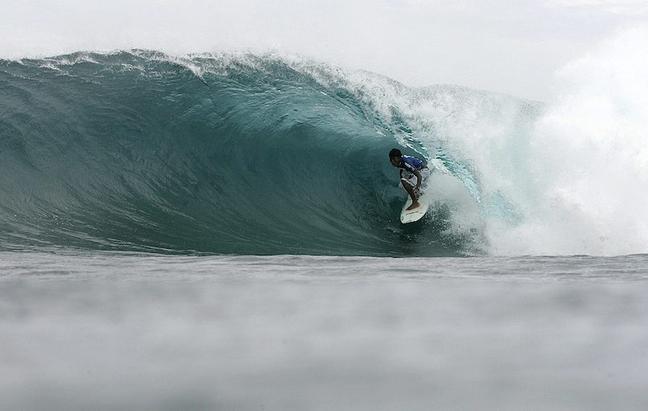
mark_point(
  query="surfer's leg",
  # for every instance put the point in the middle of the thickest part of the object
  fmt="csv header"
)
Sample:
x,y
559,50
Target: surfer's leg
x,y
412,192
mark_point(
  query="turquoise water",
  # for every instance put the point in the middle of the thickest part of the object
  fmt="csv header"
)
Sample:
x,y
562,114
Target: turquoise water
x,y
238,154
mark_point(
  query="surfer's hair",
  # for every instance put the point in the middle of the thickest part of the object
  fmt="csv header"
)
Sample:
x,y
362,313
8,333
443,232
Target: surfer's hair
x,y
395,153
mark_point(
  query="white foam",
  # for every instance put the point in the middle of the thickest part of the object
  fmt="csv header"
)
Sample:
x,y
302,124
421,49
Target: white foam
x,y
573,175
587,159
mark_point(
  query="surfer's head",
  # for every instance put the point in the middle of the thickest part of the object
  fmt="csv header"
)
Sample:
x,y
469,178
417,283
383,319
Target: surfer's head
x,y
395,157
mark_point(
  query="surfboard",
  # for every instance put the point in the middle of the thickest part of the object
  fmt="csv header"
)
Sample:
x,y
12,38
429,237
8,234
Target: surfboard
x,y
409,216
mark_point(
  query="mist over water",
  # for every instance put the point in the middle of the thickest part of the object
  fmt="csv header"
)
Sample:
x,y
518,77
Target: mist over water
x,y
115,331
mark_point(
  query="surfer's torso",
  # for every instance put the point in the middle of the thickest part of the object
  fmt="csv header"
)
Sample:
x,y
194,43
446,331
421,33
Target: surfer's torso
x,y
411,164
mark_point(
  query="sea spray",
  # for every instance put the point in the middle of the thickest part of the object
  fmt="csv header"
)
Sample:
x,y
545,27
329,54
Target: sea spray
x,y
586,161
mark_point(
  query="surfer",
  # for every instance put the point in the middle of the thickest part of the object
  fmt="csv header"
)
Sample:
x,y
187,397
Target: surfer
x,y
410,167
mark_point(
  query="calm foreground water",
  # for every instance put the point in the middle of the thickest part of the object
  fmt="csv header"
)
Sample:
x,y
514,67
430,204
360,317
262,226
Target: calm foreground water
x,y
81,331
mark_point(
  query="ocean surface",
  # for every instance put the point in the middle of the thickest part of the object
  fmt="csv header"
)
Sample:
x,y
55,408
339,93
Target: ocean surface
x,y
105,330
221,231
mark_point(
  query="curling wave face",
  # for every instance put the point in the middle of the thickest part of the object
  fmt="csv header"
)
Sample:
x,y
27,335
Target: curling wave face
x,y
220,154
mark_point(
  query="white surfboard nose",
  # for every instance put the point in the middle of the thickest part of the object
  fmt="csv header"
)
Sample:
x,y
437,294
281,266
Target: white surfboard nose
x,y
409,216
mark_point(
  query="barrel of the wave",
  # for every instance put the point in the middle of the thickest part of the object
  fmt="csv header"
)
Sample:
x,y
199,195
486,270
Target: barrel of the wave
x,y
413,179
